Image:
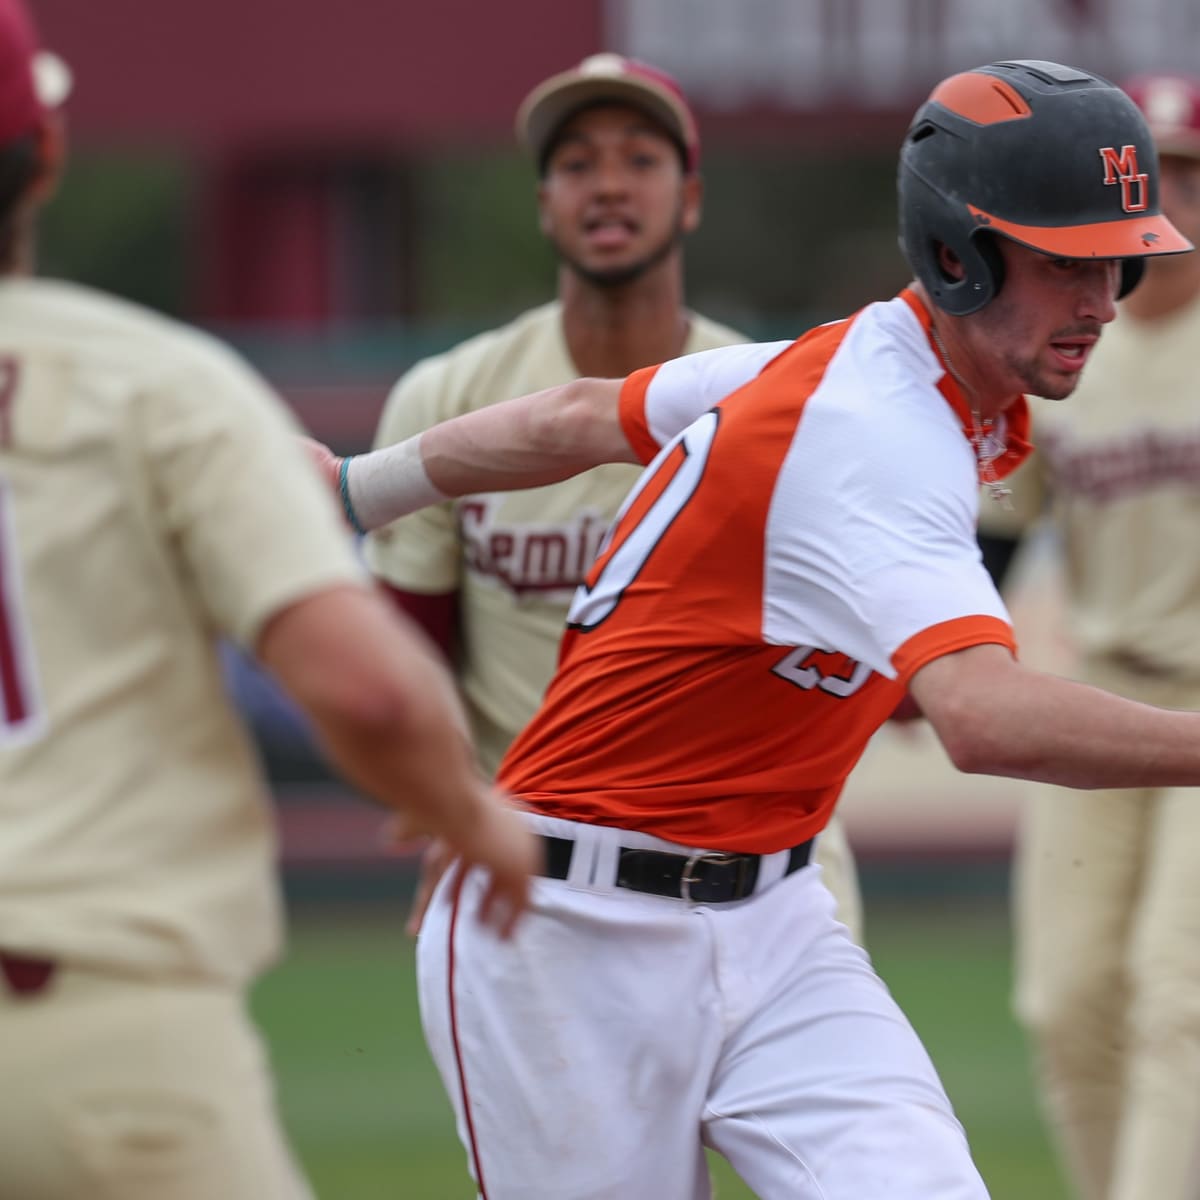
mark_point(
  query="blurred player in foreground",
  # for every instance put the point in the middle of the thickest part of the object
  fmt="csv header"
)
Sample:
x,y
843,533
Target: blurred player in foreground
x,y
1108,891
137,860
801,549
490,576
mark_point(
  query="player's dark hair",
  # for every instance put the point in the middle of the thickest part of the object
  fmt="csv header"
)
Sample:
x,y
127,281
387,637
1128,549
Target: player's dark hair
x,y
18,169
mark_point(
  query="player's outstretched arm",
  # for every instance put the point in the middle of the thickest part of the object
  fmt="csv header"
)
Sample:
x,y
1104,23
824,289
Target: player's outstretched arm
x,y
995,717
386,710
532,440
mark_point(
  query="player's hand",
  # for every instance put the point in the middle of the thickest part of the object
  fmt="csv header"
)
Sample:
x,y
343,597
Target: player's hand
x,y
502,845
327,463
435,859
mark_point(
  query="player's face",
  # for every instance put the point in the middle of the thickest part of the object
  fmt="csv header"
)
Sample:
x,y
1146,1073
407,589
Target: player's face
x,y
1038,333
615,201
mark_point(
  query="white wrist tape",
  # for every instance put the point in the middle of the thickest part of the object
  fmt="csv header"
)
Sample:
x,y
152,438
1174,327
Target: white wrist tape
x,y
388,483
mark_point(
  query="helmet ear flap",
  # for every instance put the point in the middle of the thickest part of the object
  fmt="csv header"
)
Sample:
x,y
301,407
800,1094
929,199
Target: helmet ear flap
x,y
1132,270
984,267
929,221
983,275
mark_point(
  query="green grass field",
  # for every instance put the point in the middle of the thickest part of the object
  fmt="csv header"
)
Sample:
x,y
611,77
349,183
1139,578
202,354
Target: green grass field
x,y
366,1111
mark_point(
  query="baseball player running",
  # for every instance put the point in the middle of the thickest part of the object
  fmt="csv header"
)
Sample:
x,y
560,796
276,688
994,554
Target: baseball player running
x,y
800,549
137,889
490,576
1108,951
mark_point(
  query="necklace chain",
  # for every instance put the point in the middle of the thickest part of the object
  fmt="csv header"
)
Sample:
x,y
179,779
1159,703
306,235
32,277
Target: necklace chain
x,y
985,457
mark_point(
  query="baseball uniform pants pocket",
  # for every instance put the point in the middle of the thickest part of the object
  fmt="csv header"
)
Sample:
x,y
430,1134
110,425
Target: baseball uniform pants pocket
x,y
144,1145
129,1089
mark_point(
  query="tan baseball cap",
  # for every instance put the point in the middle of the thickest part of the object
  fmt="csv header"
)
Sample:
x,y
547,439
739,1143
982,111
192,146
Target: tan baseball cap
x,y
600,78
1171,105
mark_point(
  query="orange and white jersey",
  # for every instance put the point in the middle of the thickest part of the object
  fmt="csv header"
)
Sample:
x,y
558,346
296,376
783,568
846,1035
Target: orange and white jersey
x,y
802,542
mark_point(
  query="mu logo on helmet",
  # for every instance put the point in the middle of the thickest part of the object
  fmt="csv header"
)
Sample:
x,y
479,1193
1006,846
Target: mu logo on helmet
x,y
1121,166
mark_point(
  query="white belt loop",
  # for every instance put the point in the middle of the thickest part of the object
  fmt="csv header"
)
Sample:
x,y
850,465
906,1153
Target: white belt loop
x,y
583,870
605,863
771,868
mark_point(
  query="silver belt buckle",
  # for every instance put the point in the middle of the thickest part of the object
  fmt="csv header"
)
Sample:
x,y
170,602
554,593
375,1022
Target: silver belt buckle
x,y
687,878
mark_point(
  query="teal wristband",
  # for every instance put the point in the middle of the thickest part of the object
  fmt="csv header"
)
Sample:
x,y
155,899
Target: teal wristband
x,y
344,488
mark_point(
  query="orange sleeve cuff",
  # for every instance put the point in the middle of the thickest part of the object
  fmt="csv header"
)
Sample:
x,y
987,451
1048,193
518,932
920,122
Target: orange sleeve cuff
x,y
948,636
632,413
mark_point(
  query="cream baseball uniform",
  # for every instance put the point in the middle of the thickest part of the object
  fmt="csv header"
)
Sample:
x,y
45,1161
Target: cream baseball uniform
x,y
515,558
136,840
1108,891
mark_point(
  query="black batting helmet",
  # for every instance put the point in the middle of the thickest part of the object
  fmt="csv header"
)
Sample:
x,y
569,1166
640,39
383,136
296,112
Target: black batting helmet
x,y
1052,157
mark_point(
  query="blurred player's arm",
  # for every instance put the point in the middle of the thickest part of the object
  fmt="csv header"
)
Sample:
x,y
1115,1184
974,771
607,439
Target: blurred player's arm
x,y
526,442
386,712
996,717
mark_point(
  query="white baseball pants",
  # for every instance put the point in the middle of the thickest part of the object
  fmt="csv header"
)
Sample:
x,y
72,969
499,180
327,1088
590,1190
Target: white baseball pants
x,y
596,1053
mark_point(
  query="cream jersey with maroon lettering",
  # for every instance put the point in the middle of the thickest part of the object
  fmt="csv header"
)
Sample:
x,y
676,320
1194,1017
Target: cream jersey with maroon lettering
x,y
152,497
802,542
515,558
1121,460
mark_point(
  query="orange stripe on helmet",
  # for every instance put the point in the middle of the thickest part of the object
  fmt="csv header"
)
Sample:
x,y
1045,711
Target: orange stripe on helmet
x,y
981,98
1103,239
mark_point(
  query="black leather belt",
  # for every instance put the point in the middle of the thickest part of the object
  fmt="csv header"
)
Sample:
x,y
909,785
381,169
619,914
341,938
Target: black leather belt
x,y
702,878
